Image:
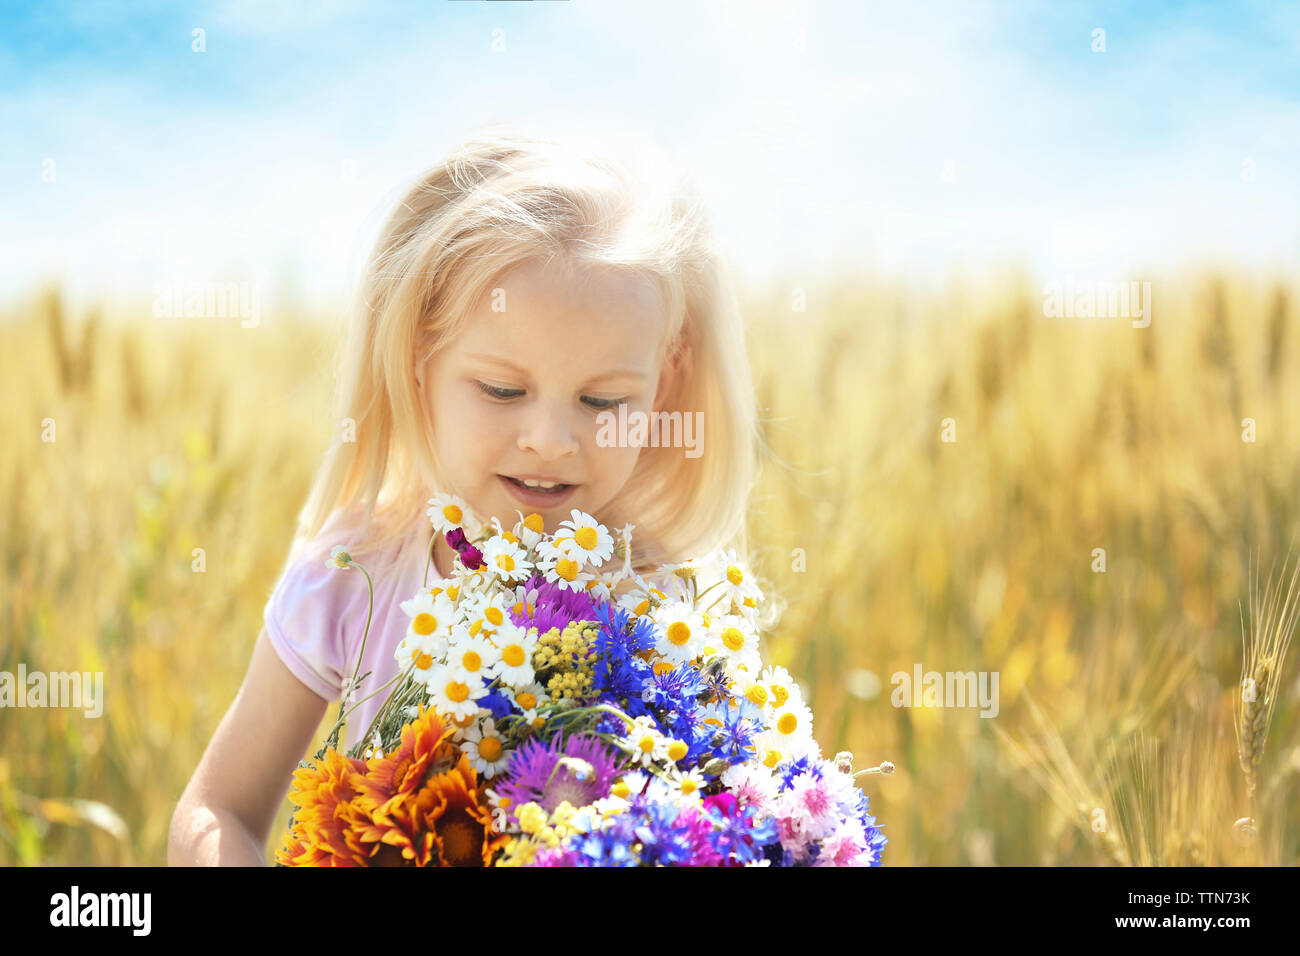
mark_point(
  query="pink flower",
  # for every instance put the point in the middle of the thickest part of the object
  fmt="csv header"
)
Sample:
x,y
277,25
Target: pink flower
x,y
846,846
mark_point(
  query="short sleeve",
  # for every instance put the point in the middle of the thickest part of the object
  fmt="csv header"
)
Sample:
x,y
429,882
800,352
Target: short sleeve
x,y
306,617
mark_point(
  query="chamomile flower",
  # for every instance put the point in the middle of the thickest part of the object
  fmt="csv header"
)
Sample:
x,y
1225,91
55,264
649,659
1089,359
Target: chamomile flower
x,y
748,684
485,749
564,572
507,561
768,752
639,600
790,725
420,652
583,538
516,645
687,785
431,616
339,557
500,806
680,634
646,742
733,636
460,726
782,686
454,693
736,580
472,654
489,613
530,529
528,698
599,589
448,512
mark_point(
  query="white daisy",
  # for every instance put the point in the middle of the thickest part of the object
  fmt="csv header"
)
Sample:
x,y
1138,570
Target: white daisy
x,y
460,726
483,746
421,652
431,616
564,572
733,635
500,806
736,580
507,560
530,529
454,692
472,653
791,726
448,512
687,785
339,557
528,698
638,601
515,664
583,538
646,742
679,633
489,613
746,683
782,686
768,751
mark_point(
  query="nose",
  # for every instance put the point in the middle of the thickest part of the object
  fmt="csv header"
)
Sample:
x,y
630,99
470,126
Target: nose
x,y
548,433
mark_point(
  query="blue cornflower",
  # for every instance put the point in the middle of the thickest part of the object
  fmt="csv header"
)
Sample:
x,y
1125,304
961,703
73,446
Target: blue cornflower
x,y
790,769
617,670
611,846
671,689
739,834
740,720
660,842
497,702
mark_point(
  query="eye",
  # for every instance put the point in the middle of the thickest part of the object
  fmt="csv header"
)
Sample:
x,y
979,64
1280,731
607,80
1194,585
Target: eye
x,y
499,392
604,403
504,394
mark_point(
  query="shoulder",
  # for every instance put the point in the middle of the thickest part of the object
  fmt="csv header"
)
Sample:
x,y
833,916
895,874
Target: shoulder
x,y
310,612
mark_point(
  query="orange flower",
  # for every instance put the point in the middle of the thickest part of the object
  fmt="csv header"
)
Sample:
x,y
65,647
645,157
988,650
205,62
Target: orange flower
x,y
423,801
325,829
419,806
426,742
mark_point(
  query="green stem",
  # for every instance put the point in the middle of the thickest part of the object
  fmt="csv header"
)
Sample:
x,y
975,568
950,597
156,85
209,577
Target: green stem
x,y
433,539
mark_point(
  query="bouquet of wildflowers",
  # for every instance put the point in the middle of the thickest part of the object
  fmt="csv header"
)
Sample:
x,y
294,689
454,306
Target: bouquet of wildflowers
x,y
553,708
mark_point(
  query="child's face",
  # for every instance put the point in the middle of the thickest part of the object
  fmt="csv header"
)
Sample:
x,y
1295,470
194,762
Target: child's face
x,y
560,348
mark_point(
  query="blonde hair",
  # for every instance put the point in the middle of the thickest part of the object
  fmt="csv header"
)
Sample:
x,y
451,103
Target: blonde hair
x,y
501,199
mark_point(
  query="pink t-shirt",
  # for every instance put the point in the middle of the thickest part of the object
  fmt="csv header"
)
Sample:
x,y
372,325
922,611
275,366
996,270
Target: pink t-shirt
x,y
316,615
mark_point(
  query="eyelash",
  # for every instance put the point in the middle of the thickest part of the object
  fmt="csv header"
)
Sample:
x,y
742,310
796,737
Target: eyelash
x,y
505,394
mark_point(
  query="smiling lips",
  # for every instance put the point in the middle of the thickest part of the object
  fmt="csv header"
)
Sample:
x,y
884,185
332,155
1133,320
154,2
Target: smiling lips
x,y
542,484
537,493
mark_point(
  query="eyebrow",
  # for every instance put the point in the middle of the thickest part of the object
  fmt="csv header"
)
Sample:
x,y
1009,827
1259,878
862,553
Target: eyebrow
x,y
506,363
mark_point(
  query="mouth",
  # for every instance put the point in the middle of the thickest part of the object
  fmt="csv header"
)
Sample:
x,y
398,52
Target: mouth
x,y
537,494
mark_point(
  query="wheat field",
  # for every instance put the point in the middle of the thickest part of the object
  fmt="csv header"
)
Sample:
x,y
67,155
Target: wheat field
x,y
1123,735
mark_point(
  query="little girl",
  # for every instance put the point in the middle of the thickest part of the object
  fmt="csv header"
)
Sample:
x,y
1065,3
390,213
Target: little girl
x,y
518,290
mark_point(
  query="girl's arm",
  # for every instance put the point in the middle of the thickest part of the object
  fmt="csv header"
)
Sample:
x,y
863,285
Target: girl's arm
x,y
225,815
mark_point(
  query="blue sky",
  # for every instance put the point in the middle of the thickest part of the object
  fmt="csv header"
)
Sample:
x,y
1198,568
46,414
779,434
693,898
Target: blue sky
x,y
828,138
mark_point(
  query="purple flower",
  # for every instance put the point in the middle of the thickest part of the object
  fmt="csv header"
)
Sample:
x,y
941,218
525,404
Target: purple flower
x,y
553,606
470,556
535,773
556,856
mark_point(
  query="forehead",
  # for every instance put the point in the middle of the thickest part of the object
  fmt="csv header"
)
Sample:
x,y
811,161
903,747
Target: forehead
x,y
555,316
